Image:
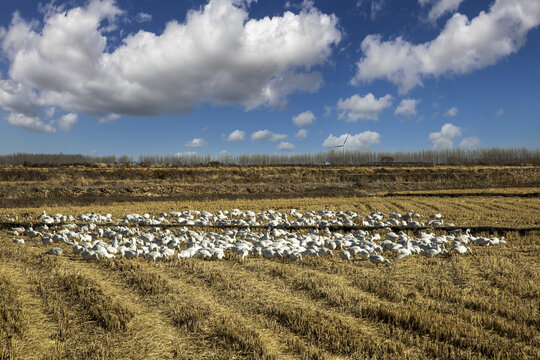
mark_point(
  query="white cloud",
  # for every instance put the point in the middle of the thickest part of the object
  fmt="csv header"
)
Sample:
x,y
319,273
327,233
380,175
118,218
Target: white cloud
x,y
16,97
470,142
218,55
364,108
196,142
143,17
500,112
30,123
261,135
267,135
359,141
462,46
301,134
109,118
285,146
444,139
304,119
67,121
236,135
407,108
451,112
440,7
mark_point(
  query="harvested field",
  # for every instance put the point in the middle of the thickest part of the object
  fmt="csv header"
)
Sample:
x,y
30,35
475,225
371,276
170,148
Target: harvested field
x,y
483,305
76,185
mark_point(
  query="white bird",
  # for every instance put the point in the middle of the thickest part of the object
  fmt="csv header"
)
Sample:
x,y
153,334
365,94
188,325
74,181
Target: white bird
x,y
403,253
378,259
54,251
430,252
364,254
345,255
89,255
295,256
459,248
154,255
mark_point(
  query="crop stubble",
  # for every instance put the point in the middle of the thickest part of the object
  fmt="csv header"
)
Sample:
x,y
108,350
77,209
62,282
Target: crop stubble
x,y
481,306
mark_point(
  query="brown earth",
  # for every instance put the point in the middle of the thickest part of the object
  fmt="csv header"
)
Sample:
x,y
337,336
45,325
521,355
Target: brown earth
x,y
55,186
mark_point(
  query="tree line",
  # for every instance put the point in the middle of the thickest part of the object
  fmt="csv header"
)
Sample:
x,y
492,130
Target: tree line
x,y
488,156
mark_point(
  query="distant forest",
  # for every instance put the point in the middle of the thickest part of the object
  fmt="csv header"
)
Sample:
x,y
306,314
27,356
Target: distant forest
x,y
491,156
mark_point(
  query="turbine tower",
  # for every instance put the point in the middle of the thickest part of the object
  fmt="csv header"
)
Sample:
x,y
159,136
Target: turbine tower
x,y
343,147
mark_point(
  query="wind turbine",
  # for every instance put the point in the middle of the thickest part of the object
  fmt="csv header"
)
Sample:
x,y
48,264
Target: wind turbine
x,y
342,146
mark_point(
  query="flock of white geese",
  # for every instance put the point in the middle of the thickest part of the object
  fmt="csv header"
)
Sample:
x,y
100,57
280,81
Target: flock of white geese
x,y
99,236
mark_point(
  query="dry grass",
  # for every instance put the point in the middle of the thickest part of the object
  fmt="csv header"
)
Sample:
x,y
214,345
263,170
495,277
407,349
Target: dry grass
x,y
480,306
12,318
418,308
463,211
78,185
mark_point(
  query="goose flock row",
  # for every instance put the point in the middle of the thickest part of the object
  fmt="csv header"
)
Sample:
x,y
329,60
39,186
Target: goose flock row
x,y
269,218
131,240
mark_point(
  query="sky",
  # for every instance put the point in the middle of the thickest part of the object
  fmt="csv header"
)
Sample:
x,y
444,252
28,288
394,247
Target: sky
x,y
125,77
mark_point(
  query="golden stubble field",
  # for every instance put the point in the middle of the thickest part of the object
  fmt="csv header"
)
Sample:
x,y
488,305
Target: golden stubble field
x,y
479,306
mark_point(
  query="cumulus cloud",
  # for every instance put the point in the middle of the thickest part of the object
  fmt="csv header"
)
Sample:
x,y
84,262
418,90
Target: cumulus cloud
x,y
261,135
67,121
285,146
451,112
267,135
440,7
444,139
470,142
462,46
304,119
500,112
218,56
359,141
407,108
365,108
301,134
196,142
30,123
236,135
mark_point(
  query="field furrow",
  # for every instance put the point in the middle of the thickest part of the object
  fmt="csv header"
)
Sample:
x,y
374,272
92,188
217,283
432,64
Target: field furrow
x,y
40,331
483,304
346,299
191,310
257,292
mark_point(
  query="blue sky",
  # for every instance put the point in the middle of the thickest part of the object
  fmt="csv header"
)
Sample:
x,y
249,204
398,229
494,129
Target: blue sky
x,y
164,77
